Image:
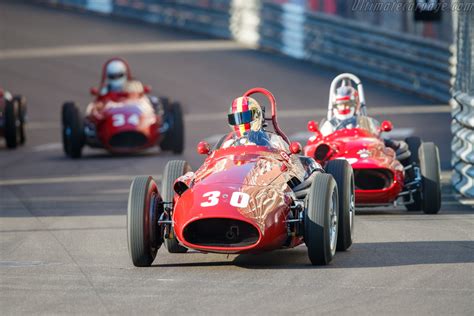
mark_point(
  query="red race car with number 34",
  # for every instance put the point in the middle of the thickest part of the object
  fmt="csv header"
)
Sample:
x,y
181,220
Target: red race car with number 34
x,y
122,121
247,197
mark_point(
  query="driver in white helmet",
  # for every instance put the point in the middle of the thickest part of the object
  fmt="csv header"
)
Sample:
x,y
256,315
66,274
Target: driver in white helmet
x,y
116,75
346,114
346,107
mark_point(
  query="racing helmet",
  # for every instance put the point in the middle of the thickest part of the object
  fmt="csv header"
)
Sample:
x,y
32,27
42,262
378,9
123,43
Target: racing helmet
x,y
346,102
116,75
245,115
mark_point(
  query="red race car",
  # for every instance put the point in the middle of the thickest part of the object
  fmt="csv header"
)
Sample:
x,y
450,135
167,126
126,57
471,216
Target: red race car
x,y
386,172
244,199
125,121
12,118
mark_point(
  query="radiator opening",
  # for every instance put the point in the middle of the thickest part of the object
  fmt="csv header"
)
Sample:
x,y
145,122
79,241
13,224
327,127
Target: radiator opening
x,y
128,140
221,232
372,179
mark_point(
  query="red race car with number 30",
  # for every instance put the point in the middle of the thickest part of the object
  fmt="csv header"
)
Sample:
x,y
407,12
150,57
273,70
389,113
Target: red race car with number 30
x,y
244,199
407,173
127,121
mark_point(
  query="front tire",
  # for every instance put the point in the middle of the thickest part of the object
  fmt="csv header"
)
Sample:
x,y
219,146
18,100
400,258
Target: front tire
x,y
173,170
431,178
12,124
143,233
22,116
73,130
343,174
321,216
174,137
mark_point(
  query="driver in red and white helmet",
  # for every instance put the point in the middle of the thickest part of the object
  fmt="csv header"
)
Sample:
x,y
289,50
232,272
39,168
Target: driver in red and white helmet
x,y
346,107
345,112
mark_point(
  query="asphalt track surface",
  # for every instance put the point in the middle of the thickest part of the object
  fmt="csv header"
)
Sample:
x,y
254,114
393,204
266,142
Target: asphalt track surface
x,y
62,222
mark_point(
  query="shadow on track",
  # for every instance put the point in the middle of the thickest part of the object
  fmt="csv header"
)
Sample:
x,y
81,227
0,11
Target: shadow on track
x,y
360,255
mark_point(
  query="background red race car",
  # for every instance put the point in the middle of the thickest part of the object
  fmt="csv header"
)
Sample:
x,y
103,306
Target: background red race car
x,y
381,178
244,199
12,118
123,122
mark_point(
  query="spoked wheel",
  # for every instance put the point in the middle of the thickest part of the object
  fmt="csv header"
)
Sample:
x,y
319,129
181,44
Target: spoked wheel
x,y
431,178
414,144
174,137
343,174
12,124
73,130
173,170
143,232
321,220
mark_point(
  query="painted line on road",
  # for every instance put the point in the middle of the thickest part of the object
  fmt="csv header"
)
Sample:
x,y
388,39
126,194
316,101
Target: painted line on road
x,y
47,147
56,180
309,113
313,113
117,49
303,137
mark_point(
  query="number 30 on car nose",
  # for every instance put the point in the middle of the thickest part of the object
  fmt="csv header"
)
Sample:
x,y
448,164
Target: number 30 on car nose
x,y
238,199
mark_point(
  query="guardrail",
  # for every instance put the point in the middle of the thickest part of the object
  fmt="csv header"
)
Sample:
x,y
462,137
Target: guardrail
x,y
406,62
462,125
462,145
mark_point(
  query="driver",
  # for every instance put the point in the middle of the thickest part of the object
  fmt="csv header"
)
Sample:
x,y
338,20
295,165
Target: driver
x,y
246,120
345,109
116,76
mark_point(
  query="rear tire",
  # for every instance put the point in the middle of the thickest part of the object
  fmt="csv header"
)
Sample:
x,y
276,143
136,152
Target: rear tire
x,y
173,170
142,221
12,124
431,180
343,174
174,137
320,224
73,130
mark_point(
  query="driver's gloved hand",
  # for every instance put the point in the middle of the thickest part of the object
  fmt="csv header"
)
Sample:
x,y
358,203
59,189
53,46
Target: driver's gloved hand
x,y
259,138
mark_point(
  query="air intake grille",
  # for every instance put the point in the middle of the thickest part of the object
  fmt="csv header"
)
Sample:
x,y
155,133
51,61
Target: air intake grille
x,y
128,140
220,232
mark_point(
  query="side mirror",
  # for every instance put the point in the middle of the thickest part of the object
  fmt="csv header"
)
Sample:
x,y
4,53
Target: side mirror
x,y
146,89
295,148
313,126
386,126
203,148
94,91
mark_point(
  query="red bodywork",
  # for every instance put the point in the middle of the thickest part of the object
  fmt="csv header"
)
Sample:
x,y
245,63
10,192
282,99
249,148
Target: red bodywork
x,y
122,122
128,125
245,185
379,176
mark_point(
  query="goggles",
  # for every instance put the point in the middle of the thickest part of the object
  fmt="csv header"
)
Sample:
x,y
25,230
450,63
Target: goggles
x,y
241,117
115,76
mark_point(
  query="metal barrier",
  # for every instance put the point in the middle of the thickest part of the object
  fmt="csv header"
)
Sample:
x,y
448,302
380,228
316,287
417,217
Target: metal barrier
x,y
406,62
462,125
